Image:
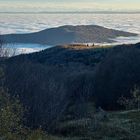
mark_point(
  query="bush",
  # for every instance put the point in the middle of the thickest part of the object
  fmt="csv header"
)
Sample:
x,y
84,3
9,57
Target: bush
x,y
133,102
37,134
11,115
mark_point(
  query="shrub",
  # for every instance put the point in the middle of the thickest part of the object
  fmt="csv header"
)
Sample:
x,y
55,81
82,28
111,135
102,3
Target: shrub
x,y
133,102
11,115
37,134
136,96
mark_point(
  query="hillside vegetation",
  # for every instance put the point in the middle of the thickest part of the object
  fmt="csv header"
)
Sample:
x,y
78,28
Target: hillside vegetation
x,y
63,87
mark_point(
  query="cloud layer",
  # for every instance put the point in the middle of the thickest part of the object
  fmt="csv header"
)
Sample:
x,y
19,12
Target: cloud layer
x,y
67,5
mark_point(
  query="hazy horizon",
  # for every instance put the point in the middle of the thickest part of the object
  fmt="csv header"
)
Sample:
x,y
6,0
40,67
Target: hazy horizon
x,y
70,12
69,5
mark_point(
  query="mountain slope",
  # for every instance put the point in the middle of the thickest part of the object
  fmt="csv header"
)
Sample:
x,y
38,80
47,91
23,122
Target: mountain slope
x,y
62,80
48,82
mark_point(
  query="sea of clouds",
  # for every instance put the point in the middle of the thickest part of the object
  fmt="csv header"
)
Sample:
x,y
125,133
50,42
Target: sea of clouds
x,y
27,23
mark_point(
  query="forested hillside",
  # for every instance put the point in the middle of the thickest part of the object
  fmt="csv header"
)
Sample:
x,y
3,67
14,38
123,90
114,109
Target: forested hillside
x,y
51,81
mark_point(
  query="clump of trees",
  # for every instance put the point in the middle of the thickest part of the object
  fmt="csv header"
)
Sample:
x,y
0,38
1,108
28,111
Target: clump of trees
x,y
12,120
11,115
133,102
116,75
11,110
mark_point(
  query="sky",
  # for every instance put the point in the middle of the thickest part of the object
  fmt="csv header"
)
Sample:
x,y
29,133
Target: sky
x,y
68,5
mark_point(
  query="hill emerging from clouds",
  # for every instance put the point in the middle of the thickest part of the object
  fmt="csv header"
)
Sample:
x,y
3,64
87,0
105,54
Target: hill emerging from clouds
x,y
68,34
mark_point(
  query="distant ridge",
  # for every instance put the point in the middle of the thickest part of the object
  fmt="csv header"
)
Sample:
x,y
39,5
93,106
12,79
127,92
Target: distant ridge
x,y
71,12
68,34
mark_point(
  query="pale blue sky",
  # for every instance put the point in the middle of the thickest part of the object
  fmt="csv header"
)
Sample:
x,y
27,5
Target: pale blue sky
x,y
69,5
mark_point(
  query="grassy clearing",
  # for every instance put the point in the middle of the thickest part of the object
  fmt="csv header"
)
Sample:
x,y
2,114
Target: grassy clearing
x,y
123,125
85,46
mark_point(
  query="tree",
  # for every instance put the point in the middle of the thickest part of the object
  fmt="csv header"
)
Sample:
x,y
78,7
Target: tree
x,y
11,110
133,102
5,51
11,114
136,96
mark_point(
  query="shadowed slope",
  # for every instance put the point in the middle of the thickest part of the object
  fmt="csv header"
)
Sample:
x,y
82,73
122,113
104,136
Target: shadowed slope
x,y
52,81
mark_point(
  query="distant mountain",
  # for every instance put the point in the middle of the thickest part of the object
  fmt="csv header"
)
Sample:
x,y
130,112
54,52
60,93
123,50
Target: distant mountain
x,y
68,34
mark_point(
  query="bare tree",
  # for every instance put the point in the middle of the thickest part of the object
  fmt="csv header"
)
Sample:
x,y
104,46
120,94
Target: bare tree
x,y
6,51
1,47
